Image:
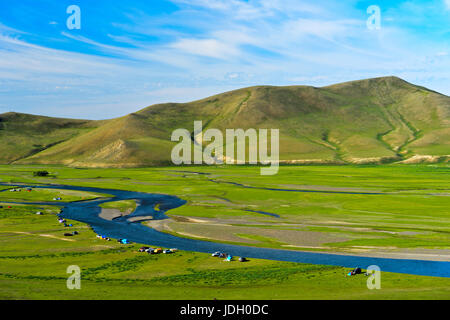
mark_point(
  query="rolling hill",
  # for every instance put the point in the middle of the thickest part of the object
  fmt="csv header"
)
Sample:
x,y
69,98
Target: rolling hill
x,y
368,121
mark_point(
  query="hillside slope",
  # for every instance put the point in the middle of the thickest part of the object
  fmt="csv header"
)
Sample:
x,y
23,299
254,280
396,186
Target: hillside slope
x,y
23,135
367,121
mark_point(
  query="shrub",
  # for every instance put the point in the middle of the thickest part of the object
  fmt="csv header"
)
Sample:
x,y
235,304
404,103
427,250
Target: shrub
x,y
42,173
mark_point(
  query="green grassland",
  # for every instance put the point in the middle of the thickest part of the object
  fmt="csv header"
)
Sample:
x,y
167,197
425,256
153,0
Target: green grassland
x,y
122,206
324,221
46,195
412,216
33,266
23,135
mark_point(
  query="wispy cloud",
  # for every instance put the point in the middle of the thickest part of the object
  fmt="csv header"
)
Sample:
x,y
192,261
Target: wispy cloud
x,y
200,47
206,47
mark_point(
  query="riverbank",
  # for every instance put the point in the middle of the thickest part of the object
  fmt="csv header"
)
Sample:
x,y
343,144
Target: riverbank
x,y
34,267
89,211
418,227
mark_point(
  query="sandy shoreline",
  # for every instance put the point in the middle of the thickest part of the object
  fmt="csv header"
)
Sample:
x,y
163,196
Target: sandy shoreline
x,y
357,251
111,214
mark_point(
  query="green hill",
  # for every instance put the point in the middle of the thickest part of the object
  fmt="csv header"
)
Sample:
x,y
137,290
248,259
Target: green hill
x,y
23,135
368,121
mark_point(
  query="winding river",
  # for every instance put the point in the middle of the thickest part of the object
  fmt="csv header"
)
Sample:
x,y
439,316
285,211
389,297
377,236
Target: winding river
x,y
88,212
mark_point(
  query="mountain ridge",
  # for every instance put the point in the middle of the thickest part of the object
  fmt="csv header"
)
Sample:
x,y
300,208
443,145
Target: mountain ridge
x,y
376,120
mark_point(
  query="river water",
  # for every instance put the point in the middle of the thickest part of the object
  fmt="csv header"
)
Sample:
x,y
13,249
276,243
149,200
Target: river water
x,y
88,212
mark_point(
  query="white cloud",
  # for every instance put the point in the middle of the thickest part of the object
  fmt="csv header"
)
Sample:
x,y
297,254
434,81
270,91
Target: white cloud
x,y
447,4
235,44
206,47
252,9
326,29
40,80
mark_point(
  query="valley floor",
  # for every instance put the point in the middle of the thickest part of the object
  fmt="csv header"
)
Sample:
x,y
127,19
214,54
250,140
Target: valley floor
x,y
393,211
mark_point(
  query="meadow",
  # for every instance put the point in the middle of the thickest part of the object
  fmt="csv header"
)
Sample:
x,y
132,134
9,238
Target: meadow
x,y
392,210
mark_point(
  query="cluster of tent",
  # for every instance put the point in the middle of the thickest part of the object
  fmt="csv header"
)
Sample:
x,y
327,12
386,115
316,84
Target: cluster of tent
x,y
66,225
123,241
103,238
19,190
228,257
70,234
157,250
356,271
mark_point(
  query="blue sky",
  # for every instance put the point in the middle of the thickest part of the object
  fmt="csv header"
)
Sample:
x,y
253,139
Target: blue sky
x,y
131,54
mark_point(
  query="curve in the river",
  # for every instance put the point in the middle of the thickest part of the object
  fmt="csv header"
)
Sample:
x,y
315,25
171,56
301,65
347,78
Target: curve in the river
x,y
88,212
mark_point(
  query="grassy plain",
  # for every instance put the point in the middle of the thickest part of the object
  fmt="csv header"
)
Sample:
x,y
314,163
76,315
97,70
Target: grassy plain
x,y
409,217
45,195
122,206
